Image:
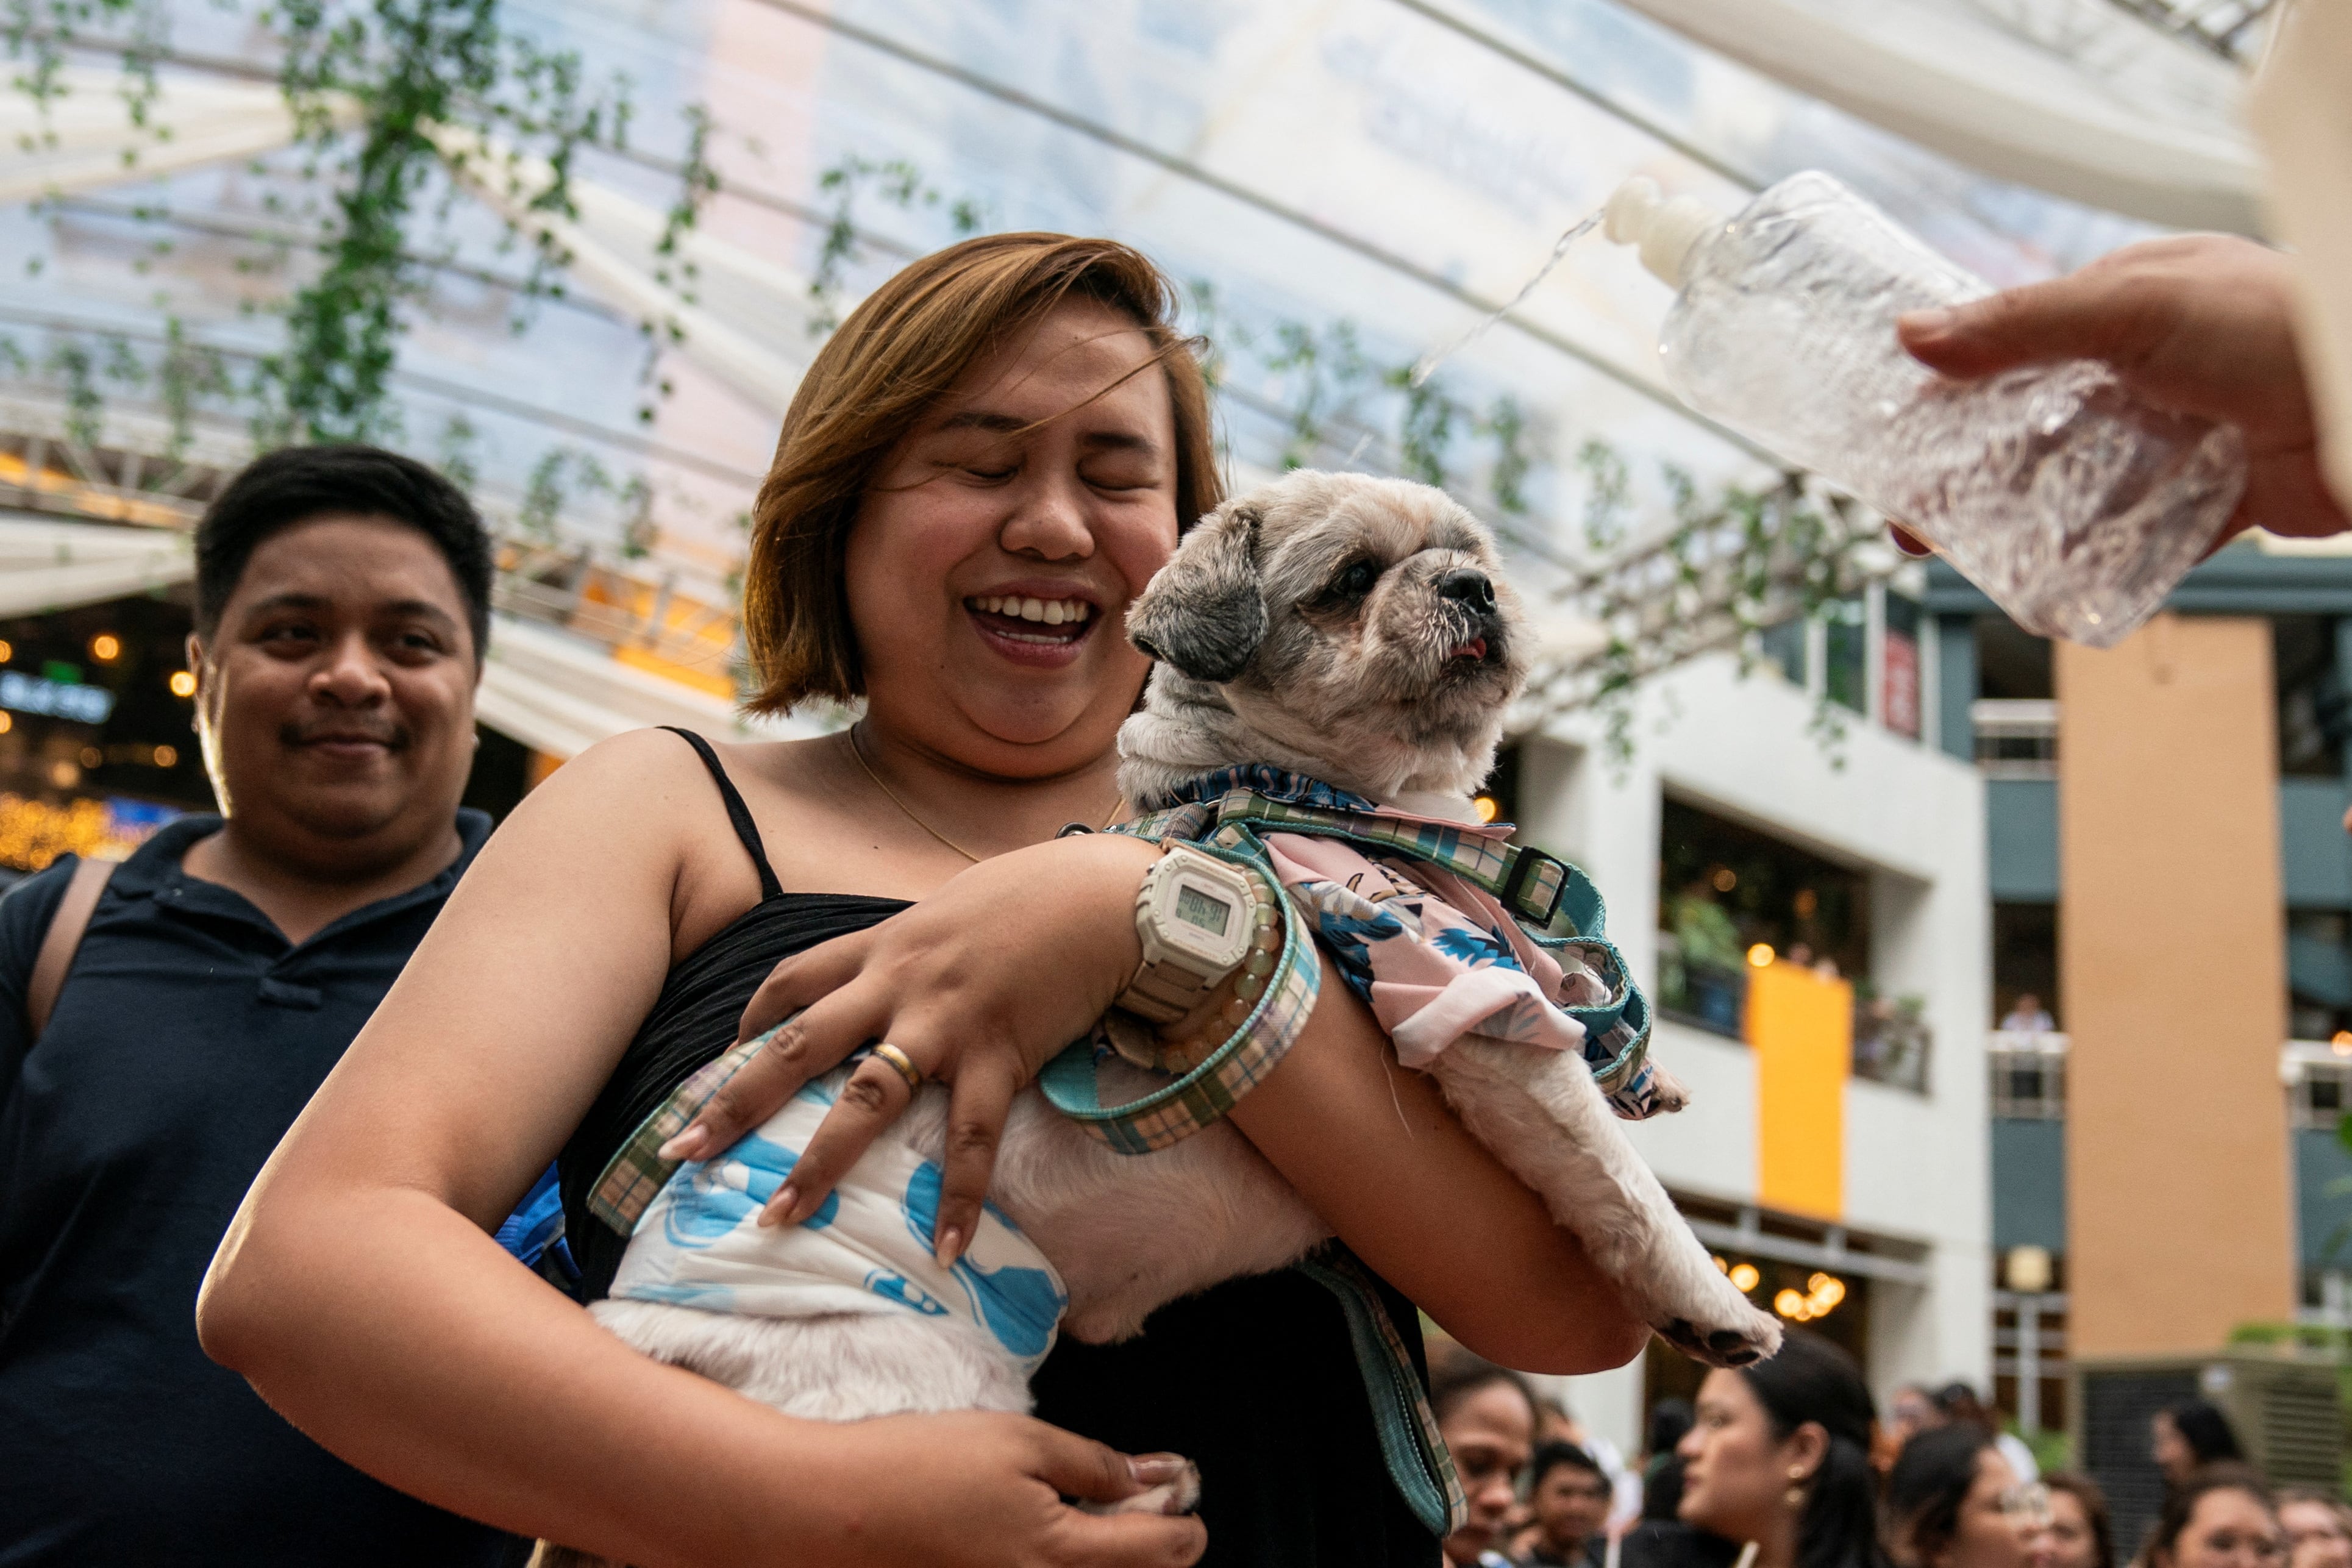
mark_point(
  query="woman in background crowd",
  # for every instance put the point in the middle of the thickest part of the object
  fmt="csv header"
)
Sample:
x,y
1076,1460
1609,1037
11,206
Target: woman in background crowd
x,y
2317,1532
2218,1517
2079,1533
1953,1501
1780,1456
1486,1416
2187,1437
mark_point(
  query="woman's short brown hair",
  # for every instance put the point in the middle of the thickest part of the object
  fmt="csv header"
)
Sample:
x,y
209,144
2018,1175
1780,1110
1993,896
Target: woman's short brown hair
x,y
901,350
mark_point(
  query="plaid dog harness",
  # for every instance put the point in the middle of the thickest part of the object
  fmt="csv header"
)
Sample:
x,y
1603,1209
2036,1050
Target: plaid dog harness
x,y
1442,928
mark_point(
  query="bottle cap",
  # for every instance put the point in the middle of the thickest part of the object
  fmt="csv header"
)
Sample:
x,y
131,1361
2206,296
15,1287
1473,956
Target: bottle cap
x,y
1638,213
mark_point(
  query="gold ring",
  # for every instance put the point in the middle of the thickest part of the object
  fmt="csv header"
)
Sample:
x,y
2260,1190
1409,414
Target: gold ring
x,y
884,1051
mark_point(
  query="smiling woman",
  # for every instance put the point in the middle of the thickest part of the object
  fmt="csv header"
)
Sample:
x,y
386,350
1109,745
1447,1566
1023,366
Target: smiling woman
x,y
980,473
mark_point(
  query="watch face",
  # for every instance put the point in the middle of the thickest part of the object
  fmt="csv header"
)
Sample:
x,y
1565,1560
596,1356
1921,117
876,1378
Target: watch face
x,y
1200,907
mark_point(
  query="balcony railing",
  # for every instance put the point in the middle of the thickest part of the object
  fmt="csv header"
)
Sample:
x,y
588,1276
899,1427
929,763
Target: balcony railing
x,y
1892,1041
2027,1069
1891,1044
2016,737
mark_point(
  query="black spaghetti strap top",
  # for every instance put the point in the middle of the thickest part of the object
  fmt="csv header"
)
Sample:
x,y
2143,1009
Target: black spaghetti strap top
x,y
1254,1381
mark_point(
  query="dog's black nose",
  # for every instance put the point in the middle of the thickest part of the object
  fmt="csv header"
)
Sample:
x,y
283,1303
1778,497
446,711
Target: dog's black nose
x,y
1472,588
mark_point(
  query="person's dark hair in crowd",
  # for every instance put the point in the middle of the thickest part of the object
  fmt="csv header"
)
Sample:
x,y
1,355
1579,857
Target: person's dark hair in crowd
x,y
2080,1532
1958,1402
209,984
1670,1422
2216,1517
1952,1502
299,484
1781,1455
1486,1416
1570,1495
2186,1436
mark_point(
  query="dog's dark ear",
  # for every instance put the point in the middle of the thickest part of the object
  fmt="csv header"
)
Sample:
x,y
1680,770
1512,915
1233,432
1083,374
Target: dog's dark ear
x,y
1204,612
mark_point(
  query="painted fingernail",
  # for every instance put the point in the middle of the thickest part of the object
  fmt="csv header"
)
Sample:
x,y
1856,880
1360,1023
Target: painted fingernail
x,y
687,1145
1932,323
949,1246
780,1207
1155,1469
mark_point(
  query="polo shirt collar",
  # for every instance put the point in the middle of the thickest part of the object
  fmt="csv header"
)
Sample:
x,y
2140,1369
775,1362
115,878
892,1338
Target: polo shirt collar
x,y
154,871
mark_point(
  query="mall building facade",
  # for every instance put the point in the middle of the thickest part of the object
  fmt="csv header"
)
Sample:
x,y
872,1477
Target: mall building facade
x,y
1795,870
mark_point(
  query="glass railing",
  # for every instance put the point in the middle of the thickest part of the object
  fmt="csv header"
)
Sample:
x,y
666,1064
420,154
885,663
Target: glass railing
x,y
1891,1043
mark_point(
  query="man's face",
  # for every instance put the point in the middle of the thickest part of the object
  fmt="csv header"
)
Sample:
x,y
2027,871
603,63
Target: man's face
x,y
1571,1505
335,699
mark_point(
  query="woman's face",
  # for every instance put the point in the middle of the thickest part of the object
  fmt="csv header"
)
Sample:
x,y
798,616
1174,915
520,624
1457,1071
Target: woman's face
x,y
1491,1436
2169,1449
2067,1540
1996,1525
990,565
2315,1535
1736,1473
2228,1529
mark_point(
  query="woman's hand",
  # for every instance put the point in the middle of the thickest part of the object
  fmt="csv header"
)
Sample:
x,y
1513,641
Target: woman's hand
x,y
979,986
979,1490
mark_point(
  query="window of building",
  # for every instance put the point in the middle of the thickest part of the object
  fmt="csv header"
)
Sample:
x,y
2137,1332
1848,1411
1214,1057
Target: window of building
x,y
1782,649
1845,652
2312,705
1725,889
2319,975
2319,1094
2013,664
2025,967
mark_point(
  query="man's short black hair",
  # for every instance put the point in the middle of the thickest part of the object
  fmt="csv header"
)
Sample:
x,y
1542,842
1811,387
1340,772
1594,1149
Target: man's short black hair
x,y
1552,1455
295,484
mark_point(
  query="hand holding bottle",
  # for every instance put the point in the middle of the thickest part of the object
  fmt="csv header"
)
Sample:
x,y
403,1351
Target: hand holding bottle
x,y
2201,325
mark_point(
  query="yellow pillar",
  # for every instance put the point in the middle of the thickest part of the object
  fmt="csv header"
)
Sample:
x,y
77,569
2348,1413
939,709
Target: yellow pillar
x,y
2180,1220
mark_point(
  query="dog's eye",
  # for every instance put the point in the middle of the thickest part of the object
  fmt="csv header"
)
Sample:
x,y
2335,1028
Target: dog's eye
x,y
1354,582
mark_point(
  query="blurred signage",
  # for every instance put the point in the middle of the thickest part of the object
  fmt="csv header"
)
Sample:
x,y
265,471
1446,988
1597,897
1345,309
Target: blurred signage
x,y
55,698
1899,684
33,833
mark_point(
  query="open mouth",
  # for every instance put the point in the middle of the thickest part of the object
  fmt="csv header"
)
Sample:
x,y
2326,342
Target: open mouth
x,y
1046,625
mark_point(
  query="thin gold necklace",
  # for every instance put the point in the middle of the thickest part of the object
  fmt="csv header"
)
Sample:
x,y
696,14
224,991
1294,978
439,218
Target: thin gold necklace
x,y
859,753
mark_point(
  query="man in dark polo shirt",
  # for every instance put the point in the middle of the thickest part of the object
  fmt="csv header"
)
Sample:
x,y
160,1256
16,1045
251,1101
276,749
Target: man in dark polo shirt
x,y
342,602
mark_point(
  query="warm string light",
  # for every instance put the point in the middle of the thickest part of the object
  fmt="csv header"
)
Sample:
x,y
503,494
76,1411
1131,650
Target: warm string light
x,y
1486,807
106,648
1820,1298
1760,955
183,683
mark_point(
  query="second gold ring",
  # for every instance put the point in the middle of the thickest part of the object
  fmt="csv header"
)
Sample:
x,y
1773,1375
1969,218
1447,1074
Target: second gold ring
x,y
900,1063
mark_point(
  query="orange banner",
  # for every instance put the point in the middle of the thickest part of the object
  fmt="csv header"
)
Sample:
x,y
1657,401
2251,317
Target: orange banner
x,y
1800,1028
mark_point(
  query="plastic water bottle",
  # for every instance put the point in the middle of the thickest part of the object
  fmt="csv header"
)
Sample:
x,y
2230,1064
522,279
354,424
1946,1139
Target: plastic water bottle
x,y
2075,506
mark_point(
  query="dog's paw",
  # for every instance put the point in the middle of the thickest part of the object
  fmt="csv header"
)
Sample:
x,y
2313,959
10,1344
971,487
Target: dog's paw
x,y
1181,1493
1669,1091
1754,1338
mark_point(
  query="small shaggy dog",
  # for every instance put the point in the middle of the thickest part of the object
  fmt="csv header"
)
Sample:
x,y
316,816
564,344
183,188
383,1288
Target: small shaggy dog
x,y
1348,629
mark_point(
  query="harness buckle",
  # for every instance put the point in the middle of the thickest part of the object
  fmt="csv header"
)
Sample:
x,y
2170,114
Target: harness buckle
x,y
1533,886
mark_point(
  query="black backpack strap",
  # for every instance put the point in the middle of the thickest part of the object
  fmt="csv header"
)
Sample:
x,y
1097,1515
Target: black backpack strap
x,y
63,939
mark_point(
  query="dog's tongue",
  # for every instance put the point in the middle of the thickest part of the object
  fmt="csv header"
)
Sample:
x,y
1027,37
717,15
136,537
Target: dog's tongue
x,y
1474,649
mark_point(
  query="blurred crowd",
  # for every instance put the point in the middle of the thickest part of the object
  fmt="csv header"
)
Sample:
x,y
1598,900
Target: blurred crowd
x,y
1785,1464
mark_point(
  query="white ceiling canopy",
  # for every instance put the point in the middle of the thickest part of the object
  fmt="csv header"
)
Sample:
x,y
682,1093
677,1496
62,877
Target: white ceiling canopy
x,y
2073,97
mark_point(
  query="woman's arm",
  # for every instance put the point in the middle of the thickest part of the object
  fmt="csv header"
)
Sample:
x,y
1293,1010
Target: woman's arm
x,y
987,977
359,1291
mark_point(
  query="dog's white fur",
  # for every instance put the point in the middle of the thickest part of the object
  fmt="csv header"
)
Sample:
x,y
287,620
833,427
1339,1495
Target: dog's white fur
x,y
1262,661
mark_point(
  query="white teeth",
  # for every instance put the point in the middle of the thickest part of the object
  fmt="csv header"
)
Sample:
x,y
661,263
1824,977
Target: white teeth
x,y
1047,612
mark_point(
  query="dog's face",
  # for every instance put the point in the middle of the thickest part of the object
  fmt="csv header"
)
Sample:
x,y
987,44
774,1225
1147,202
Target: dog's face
x,y
1346,608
